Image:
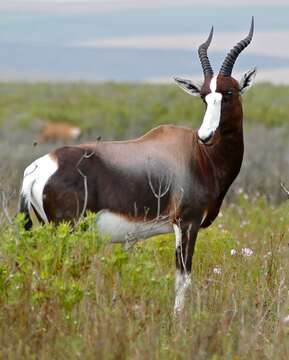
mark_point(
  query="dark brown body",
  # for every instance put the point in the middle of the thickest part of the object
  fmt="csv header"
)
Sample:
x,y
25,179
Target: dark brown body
x,y
118,176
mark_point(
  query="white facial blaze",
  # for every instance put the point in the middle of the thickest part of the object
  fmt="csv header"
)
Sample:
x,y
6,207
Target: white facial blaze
x,y
213,113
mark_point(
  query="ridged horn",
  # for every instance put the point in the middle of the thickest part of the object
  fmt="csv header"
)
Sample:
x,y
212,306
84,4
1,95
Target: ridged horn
x,y
207,69
227,66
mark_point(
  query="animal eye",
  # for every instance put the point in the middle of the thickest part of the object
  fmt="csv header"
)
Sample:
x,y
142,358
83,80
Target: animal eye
x,y
227,96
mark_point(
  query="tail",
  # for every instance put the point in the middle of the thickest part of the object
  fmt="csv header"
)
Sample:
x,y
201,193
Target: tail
x,y
25,198
24,209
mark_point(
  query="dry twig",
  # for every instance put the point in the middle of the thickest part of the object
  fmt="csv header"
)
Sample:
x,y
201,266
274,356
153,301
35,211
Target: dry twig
x,y
284,188
161,191
84,156
4,205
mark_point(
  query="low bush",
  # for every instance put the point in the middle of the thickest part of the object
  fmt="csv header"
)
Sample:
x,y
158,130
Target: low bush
x,y
69,293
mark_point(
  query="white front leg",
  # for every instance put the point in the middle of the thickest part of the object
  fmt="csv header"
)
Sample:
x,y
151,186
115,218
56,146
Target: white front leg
x,y
183,278
182,283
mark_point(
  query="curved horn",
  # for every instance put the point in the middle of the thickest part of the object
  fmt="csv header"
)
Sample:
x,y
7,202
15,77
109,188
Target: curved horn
x,y
207,69
227,66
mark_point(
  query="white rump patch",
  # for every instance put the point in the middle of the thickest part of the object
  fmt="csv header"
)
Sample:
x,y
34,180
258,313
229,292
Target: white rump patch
x,y
36,176
213,113
120,230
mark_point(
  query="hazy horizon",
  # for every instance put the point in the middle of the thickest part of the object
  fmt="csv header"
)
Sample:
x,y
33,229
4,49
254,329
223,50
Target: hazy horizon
x,y
136,41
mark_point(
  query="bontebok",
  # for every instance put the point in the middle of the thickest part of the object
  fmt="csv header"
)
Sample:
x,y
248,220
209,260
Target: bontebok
x,y
170,179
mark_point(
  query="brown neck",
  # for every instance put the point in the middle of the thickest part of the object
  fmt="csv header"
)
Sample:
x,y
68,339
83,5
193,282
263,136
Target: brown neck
x,y
226,153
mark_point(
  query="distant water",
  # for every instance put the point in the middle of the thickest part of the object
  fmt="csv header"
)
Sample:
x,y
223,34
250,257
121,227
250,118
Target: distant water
x,y
33,43
46,62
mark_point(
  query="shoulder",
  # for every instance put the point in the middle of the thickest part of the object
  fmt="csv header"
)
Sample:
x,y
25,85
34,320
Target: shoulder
x,y
169,129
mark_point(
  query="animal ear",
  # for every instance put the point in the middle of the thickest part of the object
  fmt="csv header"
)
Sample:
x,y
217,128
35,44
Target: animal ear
x,y
247,80
188,86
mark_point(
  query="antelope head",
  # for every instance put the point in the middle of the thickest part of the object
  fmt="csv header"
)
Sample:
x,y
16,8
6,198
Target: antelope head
x,y
220,93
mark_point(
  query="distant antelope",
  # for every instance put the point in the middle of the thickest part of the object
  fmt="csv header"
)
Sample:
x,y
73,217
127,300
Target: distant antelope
x,y
170,179
60,131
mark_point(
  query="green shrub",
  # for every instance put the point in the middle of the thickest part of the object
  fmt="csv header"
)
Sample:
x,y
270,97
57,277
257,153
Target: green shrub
x,y
68,292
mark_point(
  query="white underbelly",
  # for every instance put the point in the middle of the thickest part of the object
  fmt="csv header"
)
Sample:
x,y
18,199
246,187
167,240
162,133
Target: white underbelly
x,y
119,229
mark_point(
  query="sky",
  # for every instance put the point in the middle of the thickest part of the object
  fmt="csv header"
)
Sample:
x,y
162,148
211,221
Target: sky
x,y
139,3
141,40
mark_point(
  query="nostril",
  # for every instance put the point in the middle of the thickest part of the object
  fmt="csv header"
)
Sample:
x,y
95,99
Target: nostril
x,y
206,139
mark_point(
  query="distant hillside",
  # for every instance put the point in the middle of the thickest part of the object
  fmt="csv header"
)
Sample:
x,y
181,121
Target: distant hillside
x,y
124,110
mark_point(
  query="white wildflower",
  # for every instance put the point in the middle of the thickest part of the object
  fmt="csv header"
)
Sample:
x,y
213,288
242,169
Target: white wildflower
x,y
247,252
217,270
286,319
233,252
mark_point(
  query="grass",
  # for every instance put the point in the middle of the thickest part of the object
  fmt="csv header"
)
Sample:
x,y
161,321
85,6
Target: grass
x,y
71,294
121,110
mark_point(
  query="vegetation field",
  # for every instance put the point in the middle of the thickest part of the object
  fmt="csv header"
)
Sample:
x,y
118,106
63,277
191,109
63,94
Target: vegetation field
x,y
118,110
66,295
70,294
